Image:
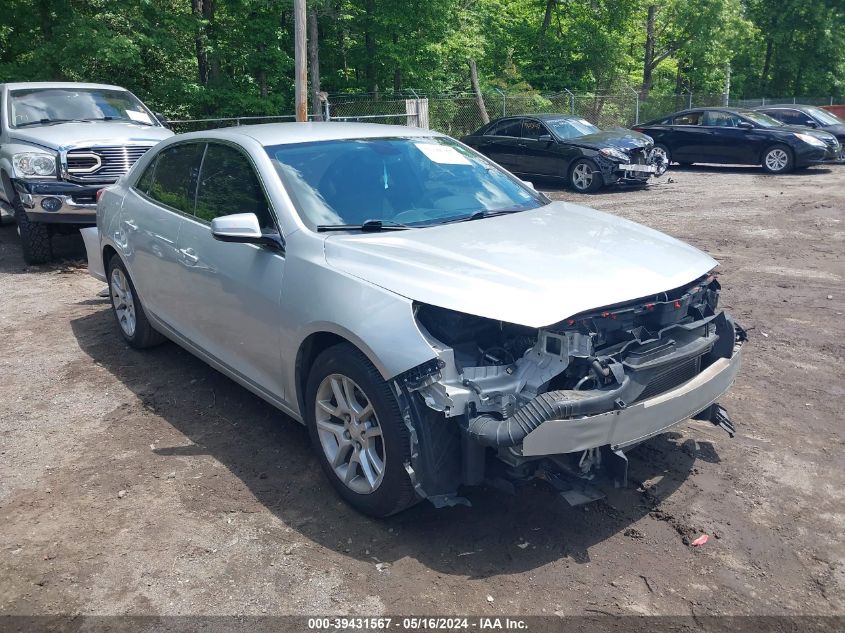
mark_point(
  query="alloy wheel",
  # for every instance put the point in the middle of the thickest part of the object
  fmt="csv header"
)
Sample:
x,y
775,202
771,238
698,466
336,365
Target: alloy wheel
x,y
123,301
777,159
582,176
349,433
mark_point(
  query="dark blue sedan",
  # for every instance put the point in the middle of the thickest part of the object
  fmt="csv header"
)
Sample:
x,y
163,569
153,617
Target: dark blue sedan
x,y
736,136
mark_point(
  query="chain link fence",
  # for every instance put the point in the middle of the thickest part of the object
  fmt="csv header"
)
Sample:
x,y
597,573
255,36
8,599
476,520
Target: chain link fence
x,y
459,114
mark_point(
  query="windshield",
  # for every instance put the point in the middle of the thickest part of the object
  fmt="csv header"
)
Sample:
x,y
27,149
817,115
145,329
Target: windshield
x,y
824,117
571,128
411,181
763,120
35,106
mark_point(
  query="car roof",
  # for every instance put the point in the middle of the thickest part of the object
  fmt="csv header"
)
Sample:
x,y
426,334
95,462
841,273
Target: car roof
x,y
546,116
22,85
789,106
285,133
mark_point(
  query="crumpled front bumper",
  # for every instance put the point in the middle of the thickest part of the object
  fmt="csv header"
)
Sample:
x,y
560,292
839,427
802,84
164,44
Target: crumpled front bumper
x,y
58,202
637,422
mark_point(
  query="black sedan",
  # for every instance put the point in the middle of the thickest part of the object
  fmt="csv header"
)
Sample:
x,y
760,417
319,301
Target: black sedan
x,y
736,136
569,147
811,116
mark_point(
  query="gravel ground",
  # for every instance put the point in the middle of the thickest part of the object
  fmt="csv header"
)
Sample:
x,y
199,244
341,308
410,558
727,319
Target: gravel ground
x,y
147,483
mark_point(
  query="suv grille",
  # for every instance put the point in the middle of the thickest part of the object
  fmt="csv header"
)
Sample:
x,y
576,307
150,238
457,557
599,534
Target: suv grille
x,y
102,164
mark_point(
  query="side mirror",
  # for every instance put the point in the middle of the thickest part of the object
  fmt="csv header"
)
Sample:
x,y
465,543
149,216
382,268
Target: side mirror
x,y
745,125
245,229
545,138
811,123
163,120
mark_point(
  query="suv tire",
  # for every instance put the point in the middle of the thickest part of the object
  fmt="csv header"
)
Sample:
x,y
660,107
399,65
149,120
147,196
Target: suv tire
x,y
36,237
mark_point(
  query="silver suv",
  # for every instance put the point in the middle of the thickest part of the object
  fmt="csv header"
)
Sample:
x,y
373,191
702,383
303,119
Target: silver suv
x,y
430,317
59,144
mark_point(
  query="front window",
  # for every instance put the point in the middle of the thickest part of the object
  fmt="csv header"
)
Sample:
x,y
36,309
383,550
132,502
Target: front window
x,y
43,106
571,128
418,181
763,120
824,117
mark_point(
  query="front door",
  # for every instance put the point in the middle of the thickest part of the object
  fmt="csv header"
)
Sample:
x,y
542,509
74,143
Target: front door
x,y
540,158
231,292
727,143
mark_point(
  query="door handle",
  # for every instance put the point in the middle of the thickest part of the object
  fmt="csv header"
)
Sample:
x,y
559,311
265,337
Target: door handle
x,y
130,224
188,256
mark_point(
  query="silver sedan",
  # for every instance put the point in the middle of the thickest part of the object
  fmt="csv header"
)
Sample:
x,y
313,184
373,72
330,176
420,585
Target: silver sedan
x,y
425,313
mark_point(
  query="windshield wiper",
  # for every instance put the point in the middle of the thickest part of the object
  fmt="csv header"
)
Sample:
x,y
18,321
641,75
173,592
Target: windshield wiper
x,y
117,118
484,213
49,121
371,226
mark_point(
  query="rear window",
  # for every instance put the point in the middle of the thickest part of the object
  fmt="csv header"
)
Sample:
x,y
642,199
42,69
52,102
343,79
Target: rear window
x,y
512,127
174,182
691,118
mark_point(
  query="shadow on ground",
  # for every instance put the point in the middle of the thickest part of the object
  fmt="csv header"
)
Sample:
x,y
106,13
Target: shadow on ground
x,y
270,454
66,249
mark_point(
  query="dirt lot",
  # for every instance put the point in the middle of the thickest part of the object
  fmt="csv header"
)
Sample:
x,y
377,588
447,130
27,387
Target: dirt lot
x,y
225,509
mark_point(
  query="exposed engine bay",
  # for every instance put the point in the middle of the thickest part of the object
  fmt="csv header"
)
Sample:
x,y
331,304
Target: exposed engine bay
x,y
506,380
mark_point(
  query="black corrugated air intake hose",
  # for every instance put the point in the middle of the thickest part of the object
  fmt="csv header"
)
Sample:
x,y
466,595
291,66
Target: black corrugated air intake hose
x,y
489,430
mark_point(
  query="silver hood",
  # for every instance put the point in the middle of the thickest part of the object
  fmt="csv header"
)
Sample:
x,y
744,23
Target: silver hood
x,y
533,268
77,134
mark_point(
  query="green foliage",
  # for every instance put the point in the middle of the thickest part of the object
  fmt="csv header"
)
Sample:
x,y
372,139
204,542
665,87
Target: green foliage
x,y
235,57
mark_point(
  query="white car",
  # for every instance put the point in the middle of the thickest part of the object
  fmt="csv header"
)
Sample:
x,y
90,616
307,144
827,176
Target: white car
x,y
421,310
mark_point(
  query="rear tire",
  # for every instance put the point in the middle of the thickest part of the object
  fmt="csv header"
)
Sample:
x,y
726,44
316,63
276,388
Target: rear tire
x,y
36,237
585,176
128,310
778,159
358,432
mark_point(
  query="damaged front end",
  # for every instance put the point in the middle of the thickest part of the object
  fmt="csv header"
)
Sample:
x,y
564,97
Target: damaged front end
x,y
600,381
631,166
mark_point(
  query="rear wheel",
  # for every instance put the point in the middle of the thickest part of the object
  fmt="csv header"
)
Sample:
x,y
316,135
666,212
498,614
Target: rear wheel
x,y
128,310
36,237
358,432
585,177
778,159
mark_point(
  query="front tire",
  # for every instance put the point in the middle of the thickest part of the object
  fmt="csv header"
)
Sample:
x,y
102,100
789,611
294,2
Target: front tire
x,y
660,148
128,310
585,177
778,159
358,432
36,237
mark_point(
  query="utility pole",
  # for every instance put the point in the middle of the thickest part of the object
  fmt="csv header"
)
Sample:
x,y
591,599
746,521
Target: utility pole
x,y
727,84
300,57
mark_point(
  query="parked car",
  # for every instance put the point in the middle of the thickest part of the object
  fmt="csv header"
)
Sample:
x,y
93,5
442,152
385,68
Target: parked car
x,y
810,116
568,147
419,308
59,144
737,136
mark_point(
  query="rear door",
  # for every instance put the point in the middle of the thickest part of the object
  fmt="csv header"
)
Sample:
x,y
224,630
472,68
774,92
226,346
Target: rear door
x,y
687,140
501,143
231,292
150,221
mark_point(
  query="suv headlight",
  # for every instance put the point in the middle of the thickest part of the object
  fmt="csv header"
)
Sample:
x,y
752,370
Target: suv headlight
x,y
611,152
810,140
33,164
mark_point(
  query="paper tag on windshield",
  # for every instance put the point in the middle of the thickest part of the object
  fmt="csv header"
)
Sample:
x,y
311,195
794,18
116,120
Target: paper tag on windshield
x,y
141,117
442,154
